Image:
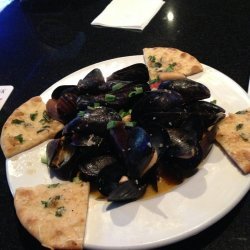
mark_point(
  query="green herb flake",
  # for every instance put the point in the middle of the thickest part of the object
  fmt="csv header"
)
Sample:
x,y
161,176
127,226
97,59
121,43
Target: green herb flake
x,y
51,202
80,113
239,126
110,98
170,67
117,86
60,211
96,105
46,118
130,124
19,138
17,121
44,159
112,124
213,101
154,81
152,59
54,185
42,129
244,137
157,64
45,203
33,116
124,113
241,112
137,91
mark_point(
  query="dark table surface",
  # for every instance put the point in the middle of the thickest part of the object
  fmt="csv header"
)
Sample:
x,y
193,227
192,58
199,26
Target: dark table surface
x,y
43,41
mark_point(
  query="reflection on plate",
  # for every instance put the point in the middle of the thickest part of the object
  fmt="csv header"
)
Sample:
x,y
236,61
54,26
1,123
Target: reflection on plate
x,y
191,207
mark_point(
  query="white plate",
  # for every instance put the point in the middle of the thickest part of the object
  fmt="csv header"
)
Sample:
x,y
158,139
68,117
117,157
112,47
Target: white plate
x,y
190,208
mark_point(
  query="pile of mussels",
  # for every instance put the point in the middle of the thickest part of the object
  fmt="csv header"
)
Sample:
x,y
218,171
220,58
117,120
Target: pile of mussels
x,y
121,135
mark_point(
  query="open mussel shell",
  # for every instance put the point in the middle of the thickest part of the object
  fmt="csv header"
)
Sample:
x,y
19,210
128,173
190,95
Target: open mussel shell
x,y
189,89
61,158
137,72
129,190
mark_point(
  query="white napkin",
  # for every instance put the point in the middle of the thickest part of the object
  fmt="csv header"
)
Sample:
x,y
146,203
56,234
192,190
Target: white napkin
x,y
128,14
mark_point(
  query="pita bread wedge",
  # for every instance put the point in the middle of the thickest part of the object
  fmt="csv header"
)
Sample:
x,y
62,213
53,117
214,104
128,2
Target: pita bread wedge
x,y
54,214
234,137
28,126
161,60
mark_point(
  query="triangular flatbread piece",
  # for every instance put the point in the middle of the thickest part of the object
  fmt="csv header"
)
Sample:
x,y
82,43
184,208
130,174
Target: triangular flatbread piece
x,y
234,137
54,214
162,59
28,126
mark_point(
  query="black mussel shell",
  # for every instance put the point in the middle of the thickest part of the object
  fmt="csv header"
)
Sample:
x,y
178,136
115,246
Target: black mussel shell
x,y
189,89
119,141
92,121
92,167
156,101
137,72
109,177
159,137
63,89
210,113
91,82
62,158
127,191
139,153
184,145
62,109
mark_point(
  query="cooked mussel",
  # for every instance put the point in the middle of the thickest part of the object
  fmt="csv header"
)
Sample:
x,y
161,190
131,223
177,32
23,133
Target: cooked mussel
x,y
92,83
92,121
189,89
92,167
137,72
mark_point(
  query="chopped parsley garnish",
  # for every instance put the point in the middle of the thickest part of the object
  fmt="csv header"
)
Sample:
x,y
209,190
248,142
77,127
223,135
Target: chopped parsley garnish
x,y
42,129
44,159
239,126
243,137
51,202
17,121
124,113
130,124
111,124
33,116
80,113
19,138
157,64
117,86
54,185
154,80
152,59
170,67
137,91
213,102
59,212
110,98
242,112
45,119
